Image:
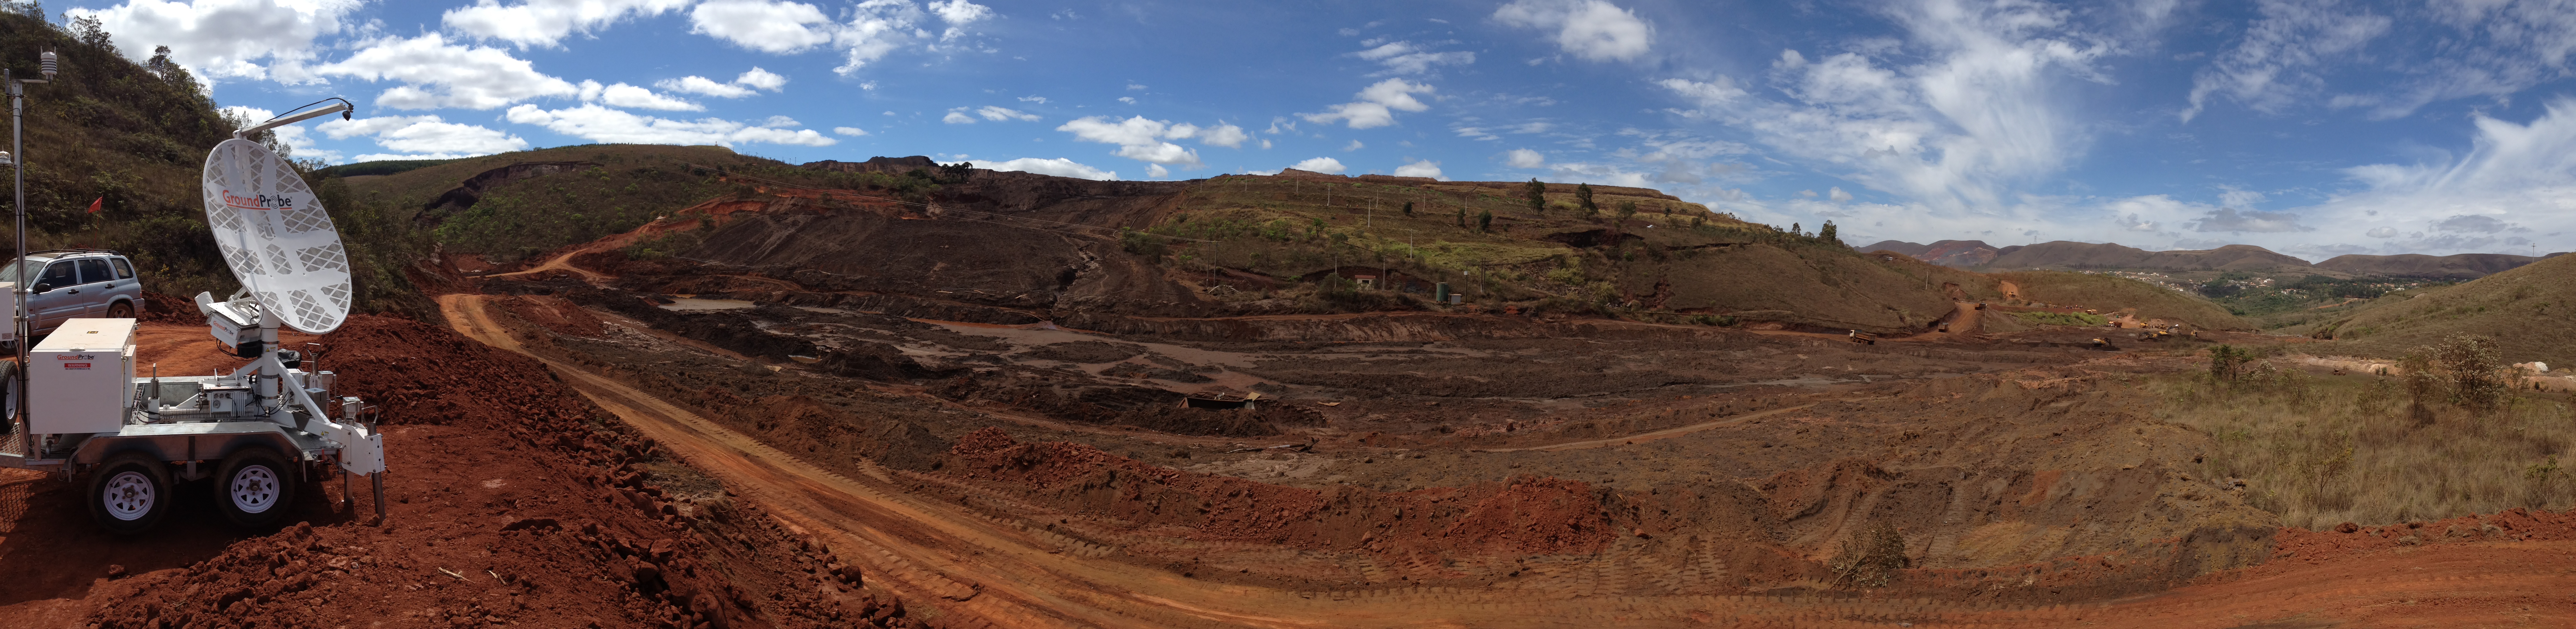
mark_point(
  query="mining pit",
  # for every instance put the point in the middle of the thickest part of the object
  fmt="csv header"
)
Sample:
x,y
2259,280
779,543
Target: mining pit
x,y
594,442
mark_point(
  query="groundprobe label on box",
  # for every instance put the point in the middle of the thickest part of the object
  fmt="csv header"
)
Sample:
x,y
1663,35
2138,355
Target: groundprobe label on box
x,y
75,365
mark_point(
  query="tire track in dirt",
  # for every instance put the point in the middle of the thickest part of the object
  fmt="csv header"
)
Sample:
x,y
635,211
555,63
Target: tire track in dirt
x,y
994,573
1659,434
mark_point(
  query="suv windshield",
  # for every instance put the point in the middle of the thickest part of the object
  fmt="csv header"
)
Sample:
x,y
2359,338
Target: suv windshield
x,y
10,273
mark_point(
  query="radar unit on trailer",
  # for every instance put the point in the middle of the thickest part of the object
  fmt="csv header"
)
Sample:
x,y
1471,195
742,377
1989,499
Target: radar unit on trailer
x,y
259,432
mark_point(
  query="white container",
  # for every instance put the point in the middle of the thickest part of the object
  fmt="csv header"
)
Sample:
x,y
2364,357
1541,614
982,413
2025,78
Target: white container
x,y
80,379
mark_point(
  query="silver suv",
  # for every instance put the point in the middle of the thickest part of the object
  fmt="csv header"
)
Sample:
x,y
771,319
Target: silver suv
x,y
77,284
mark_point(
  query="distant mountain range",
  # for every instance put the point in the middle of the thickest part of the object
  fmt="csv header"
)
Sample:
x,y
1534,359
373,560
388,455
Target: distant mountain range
x,y
1969,254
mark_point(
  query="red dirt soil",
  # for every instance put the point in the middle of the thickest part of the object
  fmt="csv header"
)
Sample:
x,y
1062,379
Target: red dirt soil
x,y
1528,515
510,502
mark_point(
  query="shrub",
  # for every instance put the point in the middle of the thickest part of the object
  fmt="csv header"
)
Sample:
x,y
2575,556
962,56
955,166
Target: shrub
x,y
1870,556
2477,371
2226,363
663,247
2422,386
1144,244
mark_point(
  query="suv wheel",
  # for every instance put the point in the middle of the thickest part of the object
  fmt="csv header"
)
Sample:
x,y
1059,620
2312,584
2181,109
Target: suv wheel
x,y
121,310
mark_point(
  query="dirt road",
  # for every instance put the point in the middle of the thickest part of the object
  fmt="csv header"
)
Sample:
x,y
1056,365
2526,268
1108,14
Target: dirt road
x,y
1005,573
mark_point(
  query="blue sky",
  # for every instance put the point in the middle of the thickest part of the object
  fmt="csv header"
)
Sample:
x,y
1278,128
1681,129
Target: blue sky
x,y
2311,128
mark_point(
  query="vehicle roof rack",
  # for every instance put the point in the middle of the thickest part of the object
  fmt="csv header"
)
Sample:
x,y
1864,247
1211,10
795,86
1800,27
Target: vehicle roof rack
x,y
73,250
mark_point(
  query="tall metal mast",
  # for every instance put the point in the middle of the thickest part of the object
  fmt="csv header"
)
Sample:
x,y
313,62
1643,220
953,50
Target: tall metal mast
x,y
17,160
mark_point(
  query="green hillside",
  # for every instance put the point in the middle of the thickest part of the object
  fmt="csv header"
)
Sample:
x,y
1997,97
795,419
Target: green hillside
x,y
1669,261
1633,253
130,137
2107,293
2529,308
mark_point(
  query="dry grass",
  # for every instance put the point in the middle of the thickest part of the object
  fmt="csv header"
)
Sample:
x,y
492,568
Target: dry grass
x,y
2321,450
2526,307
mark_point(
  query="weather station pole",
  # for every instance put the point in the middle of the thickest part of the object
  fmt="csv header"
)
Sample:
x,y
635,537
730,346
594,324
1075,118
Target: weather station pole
x,y
15,159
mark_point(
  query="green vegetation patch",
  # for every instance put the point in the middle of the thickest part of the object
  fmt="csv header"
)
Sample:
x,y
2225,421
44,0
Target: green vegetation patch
x,y
2063,318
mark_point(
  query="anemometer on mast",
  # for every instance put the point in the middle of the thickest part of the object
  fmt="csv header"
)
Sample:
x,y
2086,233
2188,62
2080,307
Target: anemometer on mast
x,y
77,408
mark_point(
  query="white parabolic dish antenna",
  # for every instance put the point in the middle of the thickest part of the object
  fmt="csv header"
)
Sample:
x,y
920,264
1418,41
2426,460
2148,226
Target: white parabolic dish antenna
x,y
274,234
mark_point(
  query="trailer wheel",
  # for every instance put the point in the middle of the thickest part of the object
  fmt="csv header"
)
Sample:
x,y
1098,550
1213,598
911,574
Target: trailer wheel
x,y
129,493
254,487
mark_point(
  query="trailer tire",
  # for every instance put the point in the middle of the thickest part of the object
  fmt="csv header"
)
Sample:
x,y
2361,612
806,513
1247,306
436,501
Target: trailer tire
x,y
130,493
255,487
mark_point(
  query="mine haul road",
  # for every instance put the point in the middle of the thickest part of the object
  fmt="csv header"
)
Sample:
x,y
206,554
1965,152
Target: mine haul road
x,y
988,572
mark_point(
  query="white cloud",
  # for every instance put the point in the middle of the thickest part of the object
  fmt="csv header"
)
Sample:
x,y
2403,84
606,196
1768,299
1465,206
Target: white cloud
x,y
1524,158
875,28
1720,92
600,124
423,137
344,129
1353,146
623,95
1406,58
252,39
1143,139
1970,112
1376,105
958,14
768,26
1424,168
1034,99
1157,171
2228,219
1324,165
1838,195
757,78
704,86
957,117
546,22
436,73
1160,153
1059,167
998,114
850,131
1593,30
2275,65
1225,135
2519,179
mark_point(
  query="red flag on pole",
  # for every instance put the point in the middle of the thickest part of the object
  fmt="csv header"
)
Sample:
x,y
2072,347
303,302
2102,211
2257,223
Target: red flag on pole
x,y
93,205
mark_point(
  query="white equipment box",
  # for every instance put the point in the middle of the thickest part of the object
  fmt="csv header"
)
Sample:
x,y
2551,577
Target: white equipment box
x,y
80,379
